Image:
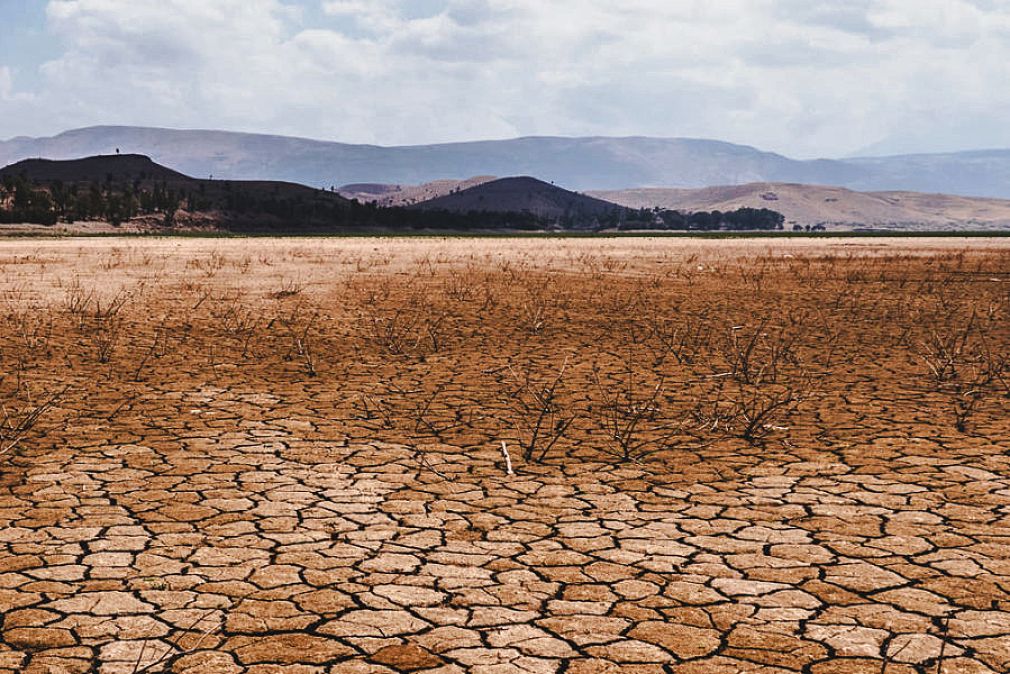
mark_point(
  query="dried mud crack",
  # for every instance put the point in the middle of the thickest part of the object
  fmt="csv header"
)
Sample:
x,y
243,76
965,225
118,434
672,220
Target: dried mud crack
x,y
290,460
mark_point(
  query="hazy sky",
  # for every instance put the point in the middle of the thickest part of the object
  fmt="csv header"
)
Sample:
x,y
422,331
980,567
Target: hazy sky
x,y
802,77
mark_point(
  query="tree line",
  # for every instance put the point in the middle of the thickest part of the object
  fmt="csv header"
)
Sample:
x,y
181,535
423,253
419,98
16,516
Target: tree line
x,y
742,219
22,201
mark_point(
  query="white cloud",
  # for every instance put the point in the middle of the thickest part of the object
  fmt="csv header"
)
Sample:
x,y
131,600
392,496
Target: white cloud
x,y
375,15
789,75
7,93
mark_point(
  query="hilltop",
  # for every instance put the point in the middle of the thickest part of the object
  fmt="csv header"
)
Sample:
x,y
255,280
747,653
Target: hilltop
x,y
115,168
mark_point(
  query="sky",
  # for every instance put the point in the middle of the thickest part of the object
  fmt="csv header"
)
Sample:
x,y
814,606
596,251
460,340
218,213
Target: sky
x,y
806,78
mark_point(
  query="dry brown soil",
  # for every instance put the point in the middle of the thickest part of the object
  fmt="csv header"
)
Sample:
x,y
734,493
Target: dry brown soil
x,y
284,456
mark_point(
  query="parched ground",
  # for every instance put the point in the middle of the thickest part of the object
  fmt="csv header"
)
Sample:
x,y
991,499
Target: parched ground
x,y
284,456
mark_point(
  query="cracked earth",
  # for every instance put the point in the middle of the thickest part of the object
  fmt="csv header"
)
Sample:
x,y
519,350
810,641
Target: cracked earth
x,y
230,486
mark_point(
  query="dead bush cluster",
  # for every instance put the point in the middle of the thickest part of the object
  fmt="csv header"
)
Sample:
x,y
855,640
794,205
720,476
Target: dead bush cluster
x,y
590,357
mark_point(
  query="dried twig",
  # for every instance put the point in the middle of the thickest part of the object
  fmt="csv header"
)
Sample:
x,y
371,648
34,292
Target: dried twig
x,y
507,458
14,428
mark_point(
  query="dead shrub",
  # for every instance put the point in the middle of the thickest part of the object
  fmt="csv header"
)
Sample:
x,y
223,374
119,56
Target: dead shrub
x,y
630,412
19,418
759,356
751,413
539,415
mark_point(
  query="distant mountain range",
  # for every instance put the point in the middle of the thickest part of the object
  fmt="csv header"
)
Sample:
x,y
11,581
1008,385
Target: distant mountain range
x,y
582,164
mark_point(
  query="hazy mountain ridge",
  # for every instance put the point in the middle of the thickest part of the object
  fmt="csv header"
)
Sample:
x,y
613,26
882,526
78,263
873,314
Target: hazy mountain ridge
x,y
593,163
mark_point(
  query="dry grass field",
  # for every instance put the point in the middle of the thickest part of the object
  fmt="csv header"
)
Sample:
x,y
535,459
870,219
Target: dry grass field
x,y
292,456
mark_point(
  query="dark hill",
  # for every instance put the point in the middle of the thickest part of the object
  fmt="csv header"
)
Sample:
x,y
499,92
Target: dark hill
x,y
137,170
525,195
117,188
99,169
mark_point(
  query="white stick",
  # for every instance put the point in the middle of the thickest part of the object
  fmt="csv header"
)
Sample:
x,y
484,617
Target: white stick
x,y
508,459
